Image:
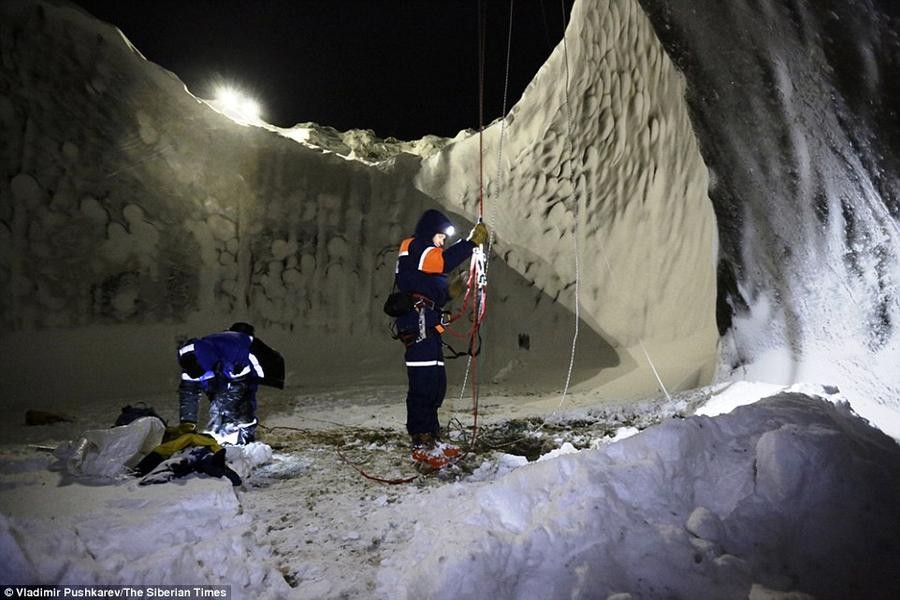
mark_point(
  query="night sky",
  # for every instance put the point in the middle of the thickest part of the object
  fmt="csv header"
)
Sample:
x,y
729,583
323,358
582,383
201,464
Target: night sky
x,y
404,68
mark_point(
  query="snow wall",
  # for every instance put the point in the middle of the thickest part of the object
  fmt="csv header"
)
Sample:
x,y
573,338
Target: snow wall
x,y
795,105
599,171
133,215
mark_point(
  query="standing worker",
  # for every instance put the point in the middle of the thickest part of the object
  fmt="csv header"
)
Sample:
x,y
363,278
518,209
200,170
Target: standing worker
x,y
228,367
422,280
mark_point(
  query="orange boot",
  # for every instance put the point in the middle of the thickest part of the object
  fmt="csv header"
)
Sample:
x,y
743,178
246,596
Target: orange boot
x,y
448,450
427,453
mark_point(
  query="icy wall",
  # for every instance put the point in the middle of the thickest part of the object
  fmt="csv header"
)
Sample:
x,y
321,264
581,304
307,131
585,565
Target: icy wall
x,y
132,214
126,202
795,105
599,155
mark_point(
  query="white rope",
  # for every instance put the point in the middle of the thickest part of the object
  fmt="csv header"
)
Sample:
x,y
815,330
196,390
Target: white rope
x,y
575,229
655,373
499,178
575,242
462,389
480,277
662,386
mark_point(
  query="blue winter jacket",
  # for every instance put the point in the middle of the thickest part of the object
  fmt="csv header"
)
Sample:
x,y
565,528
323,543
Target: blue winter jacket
x,y
422,267
225,355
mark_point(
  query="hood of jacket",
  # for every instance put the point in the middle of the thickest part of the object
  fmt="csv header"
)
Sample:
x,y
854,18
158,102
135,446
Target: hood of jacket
x,y
432,222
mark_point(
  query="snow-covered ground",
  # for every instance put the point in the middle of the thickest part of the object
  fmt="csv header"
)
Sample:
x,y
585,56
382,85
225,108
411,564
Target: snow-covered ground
x,y
791,497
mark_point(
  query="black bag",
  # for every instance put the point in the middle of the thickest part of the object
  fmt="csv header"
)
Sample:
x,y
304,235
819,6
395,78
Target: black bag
x,y
272,363
132,413
398,304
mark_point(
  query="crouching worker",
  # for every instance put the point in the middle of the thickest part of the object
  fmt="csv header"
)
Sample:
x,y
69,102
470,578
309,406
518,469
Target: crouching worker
x,y
227,367
422,282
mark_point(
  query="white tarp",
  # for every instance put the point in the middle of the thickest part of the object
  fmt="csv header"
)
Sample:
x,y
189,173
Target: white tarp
x,y
109,452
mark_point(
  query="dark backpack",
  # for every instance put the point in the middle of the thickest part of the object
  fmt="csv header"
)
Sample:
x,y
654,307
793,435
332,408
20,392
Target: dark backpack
x,y
132,413
398,304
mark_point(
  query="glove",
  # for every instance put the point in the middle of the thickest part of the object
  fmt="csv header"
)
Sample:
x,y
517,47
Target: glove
x,y
479,234
175,431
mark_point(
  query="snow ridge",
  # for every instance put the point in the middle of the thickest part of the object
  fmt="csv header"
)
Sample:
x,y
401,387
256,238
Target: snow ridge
x,y
790,493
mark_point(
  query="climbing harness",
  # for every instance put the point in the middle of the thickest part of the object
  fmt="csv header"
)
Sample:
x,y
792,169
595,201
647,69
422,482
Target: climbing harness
x,y
413,302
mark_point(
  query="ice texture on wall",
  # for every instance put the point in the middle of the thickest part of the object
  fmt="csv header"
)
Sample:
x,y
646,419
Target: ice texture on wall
x,y
795,105
132,214
600,148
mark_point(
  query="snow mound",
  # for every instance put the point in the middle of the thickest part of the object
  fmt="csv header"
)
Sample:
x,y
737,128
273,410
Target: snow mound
x,y
190,532
244,459
790,494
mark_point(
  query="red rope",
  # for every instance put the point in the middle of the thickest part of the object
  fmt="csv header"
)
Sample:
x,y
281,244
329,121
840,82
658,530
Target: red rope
x,y
470,285
481,53
475,329
373,477
479,297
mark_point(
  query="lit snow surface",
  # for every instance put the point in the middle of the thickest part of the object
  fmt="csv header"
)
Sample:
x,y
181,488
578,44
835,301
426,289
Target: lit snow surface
x,y
752,486
793,493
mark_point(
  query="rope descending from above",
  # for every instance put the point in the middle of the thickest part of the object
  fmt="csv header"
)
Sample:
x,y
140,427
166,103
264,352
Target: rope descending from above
x,y
575,237
480,258
575,231
477,281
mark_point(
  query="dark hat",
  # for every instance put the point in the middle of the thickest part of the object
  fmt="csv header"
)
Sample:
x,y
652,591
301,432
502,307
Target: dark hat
x,y
432,222
242,327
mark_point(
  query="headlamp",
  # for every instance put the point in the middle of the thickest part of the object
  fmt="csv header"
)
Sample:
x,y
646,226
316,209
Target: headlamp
x,y
449,231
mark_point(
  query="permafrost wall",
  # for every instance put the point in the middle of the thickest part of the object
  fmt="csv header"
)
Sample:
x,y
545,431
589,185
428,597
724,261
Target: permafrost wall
x,y
599,157
798,121
132,214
